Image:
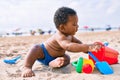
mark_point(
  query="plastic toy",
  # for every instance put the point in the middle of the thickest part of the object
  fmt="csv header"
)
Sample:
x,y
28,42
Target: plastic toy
x,y
103,66
106,43
12,61
83,65
106,54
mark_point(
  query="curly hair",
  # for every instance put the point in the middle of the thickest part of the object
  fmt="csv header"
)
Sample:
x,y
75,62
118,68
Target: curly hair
x,y
62,14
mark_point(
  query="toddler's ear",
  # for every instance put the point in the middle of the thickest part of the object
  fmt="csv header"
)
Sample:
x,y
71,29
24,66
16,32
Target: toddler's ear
x,y
61,28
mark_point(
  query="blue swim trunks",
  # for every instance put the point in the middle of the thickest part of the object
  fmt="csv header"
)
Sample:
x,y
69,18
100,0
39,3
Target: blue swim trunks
x,y
47,58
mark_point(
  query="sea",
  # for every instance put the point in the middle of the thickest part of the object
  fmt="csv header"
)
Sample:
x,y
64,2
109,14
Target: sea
x,y
27,33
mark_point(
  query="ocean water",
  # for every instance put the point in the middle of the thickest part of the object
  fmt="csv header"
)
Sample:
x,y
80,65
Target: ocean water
x,y
14,34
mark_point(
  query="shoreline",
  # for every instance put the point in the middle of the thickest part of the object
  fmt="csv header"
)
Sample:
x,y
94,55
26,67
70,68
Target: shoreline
x,y
37,34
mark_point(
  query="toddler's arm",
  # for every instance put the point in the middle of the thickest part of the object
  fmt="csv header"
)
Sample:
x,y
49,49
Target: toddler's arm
x,y
76,47
74,39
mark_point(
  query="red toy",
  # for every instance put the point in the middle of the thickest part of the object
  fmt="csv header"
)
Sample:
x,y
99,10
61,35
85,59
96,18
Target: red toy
x,y
106,54
87,68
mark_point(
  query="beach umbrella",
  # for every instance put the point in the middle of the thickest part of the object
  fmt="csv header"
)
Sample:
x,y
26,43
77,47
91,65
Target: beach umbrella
x,y
85,27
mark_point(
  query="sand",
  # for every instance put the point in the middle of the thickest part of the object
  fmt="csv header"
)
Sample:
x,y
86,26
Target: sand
x,y
10,47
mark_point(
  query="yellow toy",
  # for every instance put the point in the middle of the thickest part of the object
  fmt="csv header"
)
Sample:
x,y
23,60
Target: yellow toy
x,y
84,65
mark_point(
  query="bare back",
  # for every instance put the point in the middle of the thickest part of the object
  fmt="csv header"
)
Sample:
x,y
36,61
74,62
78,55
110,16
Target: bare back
x,y
53,44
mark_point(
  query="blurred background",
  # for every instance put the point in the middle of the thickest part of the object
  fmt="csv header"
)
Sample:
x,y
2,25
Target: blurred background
x,y
34,17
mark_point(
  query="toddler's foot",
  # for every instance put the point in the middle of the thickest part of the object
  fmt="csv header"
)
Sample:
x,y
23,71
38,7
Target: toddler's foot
x,y
27,72
58,62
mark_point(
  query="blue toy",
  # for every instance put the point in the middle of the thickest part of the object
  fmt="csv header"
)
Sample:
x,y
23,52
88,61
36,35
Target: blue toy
x,y
12,61
106,43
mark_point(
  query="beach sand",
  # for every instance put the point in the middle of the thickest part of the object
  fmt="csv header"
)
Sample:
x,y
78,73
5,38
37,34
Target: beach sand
x,y
10,47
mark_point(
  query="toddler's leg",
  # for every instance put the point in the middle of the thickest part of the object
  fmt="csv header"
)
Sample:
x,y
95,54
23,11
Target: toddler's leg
x,y
67,60
35,53
60,61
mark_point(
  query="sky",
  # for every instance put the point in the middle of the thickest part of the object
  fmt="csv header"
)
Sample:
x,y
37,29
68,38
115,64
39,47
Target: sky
x,y
36,14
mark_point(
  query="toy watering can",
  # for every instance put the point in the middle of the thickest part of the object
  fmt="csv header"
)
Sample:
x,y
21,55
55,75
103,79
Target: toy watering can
x,y
84,65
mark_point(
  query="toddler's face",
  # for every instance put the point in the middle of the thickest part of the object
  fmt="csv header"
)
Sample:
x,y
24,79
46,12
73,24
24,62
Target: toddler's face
x,y
71,26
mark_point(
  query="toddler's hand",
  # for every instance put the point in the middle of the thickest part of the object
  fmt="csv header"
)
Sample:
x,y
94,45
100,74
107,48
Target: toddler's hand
x,y
94,47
